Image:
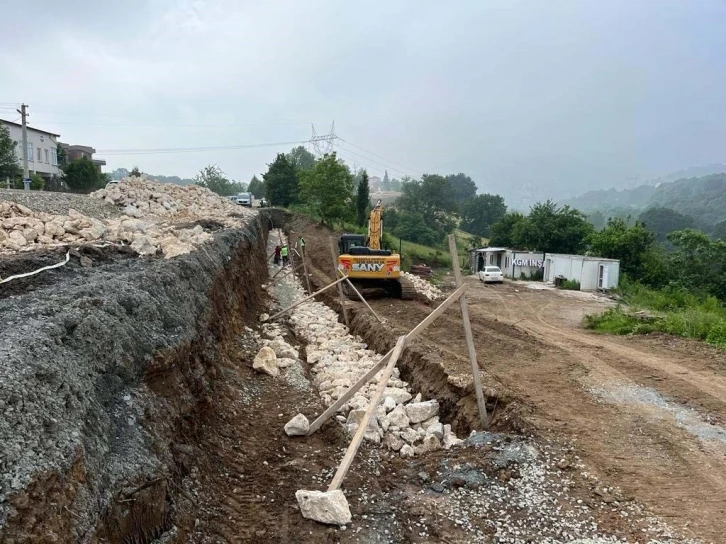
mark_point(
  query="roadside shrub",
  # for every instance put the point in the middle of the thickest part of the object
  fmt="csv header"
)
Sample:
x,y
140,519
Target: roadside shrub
x,y
570,285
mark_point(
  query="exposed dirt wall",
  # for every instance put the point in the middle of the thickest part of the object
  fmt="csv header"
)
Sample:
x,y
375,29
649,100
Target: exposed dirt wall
x,y
102,374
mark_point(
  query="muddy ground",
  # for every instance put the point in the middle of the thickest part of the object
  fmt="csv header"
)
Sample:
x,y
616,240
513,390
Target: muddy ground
x,y
645,414
591,435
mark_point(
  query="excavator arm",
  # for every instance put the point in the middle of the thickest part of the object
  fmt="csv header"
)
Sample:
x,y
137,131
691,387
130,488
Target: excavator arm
x,y
375,227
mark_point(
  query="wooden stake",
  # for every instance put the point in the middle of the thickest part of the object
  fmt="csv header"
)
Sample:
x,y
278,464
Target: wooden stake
x,y
340,287
298,303
418,329
469,337
303,258
350,283
362,428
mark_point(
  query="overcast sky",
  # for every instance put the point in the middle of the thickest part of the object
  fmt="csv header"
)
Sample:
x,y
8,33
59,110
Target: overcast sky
x,y
560,95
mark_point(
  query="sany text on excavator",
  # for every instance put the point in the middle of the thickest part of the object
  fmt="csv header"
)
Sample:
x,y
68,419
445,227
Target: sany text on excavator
x,y
367,265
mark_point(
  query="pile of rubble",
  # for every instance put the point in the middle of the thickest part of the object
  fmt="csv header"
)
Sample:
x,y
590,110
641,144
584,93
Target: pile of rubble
x,y
150,211
423,287
402,423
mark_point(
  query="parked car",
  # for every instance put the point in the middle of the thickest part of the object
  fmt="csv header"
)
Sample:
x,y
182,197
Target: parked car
x,y
491,274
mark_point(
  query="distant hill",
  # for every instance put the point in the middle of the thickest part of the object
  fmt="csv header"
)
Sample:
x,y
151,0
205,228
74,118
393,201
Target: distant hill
x,y
703,198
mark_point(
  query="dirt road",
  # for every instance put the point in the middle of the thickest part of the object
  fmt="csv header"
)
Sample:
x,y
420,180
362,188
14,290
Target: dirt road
x,y
646,414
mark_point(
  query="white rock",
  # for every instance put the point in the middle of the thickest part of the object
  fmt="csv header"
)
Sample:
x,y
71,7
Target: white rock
x,y
389,404
426,424
297,426
431,443
398,417
329,507
264,317
421,411
407,451
143,246
284,362
437,430
410,436
450,439
398,395
266,361
393,442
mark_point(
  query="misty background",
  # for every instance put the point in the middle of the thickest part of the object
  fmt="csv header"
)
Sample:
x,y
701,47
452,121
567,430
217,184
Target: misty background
x,y
533,100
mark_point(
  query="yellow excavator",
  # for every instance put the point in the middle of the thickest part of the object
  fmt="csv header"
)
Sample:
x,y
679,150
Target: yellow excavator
x,y
369,266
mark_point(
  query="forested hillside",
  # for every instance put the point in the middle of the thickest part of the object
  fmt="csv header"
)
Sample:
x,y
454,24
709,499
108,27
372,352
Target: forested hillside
x,y
702,198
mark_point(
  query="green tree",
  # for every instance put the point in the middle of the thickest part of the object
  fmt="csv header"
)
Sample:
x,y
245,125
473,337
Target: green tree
x,y
301,158
386,183
327,190
363,199
719,231
62,156
281,181
463,186
37,182
699,263
412,227
9,167
597,219
502,232
256,187
83,176
137,173
631,245
661,221
215,180
553,229
480,212
432,199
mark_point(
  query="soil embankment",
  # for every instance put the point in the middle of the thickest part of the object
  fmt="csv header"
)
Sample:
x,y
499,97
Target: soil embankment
x,y
105,371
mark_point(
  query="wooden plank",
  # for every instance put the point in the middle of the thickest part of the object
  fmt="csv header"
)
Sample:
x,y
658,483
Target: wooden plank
x,y
303,258
483,418
357,439
340,287
418,329
298,303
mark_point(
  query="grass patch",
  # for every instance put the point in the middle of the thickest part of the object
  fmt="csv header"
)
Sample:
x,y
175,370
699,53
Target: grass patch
x,y
678,313
570,285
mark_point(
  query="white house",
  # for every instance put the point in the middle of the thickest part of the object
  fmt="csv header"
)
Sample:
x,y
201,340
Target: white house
x,y
593,273
42,149
513,263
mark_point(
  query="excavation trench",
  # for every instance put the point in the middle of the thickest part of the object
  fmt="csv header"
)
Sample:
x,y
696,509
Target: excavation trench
x,y
420,366
105,373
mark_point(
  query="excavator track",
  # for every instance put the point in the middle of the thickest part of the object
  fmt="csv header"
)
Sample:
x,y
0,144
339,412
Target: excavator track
x,y
407,289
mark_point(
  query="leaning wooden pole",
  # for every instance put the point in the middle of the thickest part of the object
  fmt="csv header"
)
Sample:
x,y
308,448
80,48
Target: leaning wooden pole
x,y
340,287
304,258
299,302
483,418
277,278
368,376
362,427
364,301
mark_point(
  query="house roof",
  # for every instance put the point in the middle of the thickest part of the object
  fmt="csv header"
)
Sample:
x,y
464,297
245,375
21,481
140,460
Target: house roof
x,y
489,249
30,128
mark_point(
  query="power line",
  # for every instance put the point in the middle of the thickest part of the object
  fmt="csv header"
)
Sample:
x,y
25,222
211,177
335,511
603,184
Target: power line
x,y
379,156
135,125
158,151
388,167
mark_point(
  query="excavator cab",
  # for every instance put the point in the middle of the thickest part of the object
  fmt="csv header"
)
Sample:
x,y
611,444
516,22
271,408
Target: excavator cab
x,y
355,244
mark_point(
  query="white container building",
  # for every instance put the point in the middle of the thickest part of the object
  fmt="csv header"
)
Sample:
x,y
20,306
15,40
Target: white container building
x,y
593,273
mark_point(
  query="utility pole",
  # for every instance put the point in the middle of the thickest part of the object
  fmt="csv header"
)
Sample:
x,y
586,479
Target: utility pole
x,y
26,174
